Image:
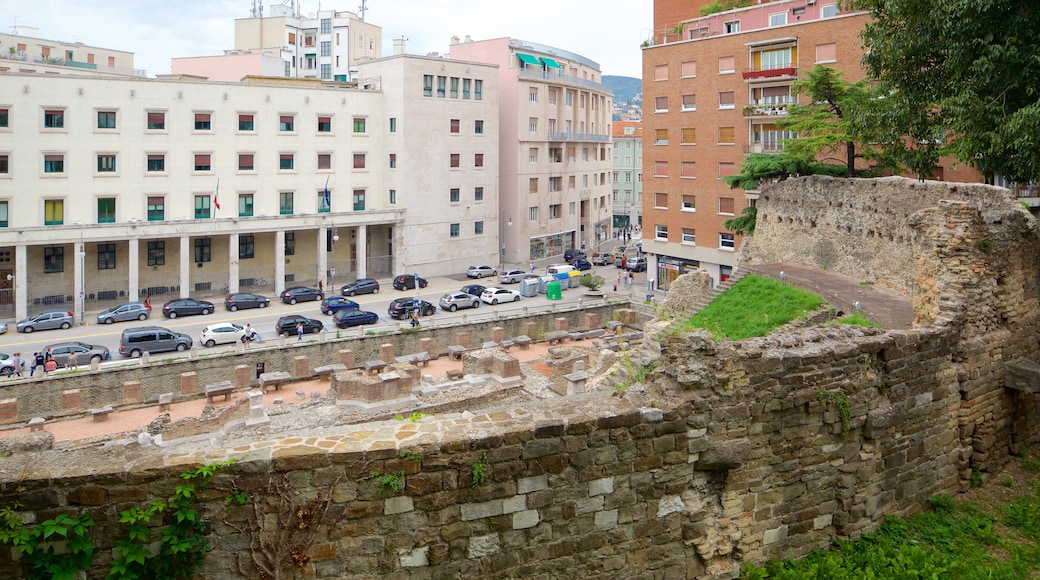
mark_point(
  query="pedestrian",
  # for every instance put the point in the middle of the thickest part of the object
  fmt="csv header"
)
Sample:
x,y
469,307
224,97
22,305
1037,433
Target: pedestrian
x,y
72,362
38,363
148,303
618,279
321,287
16,360
299,331
532,267
415,318
50,365
624,262
615,283
631,278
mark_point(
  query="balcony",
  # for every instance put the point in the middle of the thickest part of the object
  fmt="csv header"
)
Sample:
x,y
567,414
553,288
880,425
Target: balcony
x,y
764,147
773,73
556,136
772,107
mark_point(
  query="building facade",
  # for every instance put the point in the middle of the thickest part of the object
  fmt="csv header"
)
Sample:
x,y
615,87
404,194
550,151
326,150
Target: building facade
x,y
554,144
627,200
23,51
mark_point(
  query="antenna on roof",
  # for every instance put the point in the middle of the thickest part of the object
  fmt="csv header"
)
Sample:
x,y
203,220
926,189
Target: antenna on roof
x,y
258,9
362,9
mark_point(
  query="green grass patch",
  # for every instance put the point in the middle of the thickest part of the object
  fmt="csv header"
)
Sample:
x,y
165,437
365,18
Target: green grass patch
x,y
857,319
754,306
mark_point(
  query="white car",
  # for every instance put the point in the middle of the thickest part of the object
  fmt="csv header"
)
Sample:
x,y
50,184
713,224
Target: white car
x,y
481,271
496,295
512,276
221,333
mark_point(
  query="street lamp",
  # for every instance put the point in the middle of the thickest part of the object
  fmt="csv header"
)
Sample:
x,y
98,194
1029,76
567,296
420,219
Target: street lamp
x,y
82,254
332,255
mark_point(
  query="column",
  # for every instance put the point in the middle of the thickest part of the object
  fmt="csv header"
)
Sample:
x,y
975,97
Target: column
x,y
279,262
78,283
323,255
20,285
133,250
362,251
233,263
185,267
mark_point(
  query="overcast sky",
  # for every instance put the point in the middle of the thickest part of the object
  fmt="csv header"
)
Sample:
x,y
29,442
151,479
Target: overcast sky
x,y
607,31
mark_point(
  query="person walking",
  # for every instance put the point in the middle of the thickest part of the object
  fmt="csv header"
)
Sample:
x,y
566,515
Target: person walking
x,y
148,303
532,267
299,331
17,361
72,362
415,318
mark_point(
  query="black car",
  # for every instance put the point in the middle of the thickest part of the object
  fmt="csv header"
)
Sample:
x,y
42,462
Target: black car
x,y
346,318
407,282
360,286
286,325
301,294
186,307
239,300
570,255
401,308
474,289
582,264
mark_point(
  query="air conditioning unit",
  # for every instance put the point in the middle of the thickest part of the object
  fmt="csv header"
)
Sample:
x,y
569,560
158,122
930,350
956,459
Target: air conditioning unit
x,y
810,2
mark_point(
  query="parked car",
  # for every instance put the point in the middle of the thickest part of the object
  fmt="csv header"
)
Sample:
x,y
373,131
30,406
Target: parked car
x,y
221,333
511,276
301,294
636,264
48,320
7,364
124,312
600,259
334,304
286,325
496,295
85,353
401,308
3,327
241,300
186,307
360,286
139,339
474,289
452,301
407,282
572,253
480,271
582,264
347,318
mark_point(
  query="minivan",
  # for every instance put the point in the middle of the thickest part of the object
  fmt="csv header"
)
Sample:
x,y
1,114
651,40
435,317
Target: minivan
x,y
555,269
150,339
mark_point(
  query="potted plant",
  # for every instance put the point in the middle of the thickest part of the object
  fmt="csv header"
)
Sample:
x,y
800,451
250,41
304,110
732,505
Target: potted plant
x,y
592,282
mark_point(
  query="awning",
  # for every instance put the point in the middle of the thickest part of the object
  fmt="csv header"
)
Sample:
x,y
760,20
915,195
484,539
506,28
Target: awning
x,y
528,59
550,62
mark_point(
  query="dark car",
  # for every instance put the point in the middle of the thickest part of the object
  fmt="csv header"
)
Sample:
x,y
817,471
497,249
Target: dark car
x,y
401,308
346,318
286,325
334,304
239,300
85,353
360,286
407,282
301,294
582,264
570,255
186,307
474,289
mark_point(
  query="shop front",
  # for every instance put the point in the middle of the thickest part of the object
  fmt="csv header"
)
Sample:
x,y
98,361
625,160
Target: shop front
x,y
669,268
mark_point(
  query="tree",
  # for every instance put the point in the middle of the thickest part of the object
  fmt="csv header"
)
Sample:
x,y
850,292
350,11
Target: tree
x,y
745,224
772,167
960,77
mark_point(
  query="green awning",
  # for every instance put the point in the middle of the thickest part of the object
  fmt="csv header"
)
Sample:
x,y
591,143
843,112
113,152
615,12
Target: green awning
x,y
528,59
550,62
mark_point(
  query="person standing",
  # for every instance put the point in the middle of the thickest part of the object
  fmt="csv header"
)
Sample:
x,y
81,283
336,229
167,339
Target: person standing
x,y
72,362
299,331
415,318
148,303
17,361
38,363
532,267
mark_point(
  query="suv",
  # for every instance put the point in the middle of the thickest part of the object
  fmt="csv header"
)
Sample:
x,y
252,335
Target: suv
x,y
360,286
139,339
452,301
637,264
407,282
511,276
46,321
401,308
124,312
600,259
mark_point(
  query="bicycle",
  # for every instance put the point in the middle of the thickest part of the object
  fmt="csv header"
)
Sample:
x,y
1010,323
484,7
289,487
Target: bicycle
x,y
261,282
225,289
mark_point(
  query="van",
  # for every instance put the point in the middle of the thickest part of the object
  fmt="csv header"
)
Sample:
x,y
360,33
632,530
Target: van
x,y
555,269
135,341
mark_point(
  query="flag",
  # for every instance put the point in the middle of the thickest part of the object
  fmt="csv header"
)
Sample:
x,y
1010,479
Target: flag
x,y
216,194
328,199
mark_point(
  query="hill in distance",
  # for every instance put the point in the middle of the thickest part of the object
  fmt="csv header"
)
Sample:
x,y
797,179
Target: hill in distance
x,y
625,88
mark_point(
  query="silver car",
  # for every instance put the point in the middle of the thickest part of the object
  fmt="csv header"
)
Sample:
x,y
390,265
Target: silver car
x,y
452,301
85,353
123,313
47,321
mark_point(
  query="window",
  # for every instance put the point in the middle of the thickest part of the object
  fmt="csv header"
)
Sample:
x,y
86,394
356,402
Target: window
x,y
326,26
778,19
661,200
53,260
826,52
203,162
454,196
775,59
555,211
54,163
286,123
727,169
478,228
5,117
532,155
156,121
454,160
5,164
532,125
106,210
157,253
661,72
156,163
660,168
689,136
202,206
660,136
532,214
689,202
245,205
203,249
689,236
290,243
688,169
466,83
427,85
246,247
688,69
726,100
478,160
53,212
393,161
829,11
478,89
324,124
54,119
285,203
245,162
478,127
359,160
726,241
156,209
106,163
726,136
726,205
202,122
661,232
731,27
454,87
106,256
106,120
359,200
532,95
245,123
286,161
478,194
453,230
532,185
359,124
453,126
442,84
661,104
326,48
556,183
727,64
393,196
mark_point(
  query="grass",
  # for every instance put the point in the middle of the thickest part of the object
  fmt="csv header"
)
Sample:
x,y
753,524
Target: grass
x,y
754,306
857,319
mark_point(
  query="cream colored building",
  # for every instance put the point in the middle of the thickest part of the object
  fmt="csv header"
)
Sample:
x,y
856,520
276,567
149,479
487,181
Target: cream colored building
x,y
555,147
24,52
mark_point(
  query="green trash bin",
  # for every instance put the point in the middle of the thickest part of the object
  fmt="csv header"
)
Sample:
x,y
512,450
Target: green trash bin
x,y
553,291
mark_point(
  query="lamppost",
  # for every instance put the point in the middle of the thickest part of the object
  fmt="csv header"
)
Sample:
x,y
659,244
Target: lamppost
x,y
332,255
82,254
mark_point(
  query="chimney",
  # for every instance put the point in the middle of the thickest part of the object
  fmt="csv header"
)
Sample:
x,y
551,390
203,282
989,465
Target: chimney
x,y
454,39
399,45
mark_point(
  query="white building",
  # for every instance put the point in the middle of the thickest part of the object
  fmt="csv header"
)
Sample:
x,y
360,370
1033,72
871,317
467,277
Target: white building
x,y
23,51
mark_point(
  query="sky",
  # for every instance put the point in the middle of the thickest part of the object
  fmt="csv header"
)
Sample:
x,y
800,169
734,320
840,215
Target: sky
x,y
608,32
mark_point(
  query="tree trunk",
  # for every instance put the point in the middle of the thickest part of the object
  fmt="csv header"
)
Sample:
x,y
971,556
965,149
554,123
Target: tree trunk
x,y
850,159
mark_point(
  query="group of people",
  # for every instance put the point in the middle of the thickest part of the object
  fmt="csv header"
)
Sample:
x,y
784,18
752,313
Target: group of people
x,y
249,335
40,361
624,278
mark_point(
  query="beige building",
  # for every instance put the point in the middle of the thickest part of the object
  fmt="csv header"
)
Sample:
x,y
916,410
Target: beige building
x,y
628,174
24,52
555,146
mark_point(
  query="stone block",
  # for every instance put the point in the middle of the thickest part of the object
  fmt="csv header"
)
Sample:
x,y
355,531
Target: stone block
x,y
506,366
498,334
241,375
301,366
189,383
70,400
561,324
132,392
591,320
606,519
415,558
601,486
387,352
530,328
463,339
346,358
530,484
477,511
427,345
525,519
481,546
8,410
398,505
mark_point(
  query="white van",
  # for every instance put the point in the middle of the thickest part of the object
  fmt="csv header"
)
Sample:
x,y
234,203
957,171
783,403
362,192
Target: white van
x,y
555,269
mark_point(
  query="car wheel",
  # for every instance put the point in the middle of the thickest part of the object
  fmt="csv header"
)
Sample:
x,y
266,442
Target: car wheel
x,y
211,343
173,314
375,291
65,325
143,316
96,358
292,301
262,305
452,308
476,304
283,334
351,293
494,301
207,311
109,320
423,285
516,298
316,330
135,354
181,347
233,308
